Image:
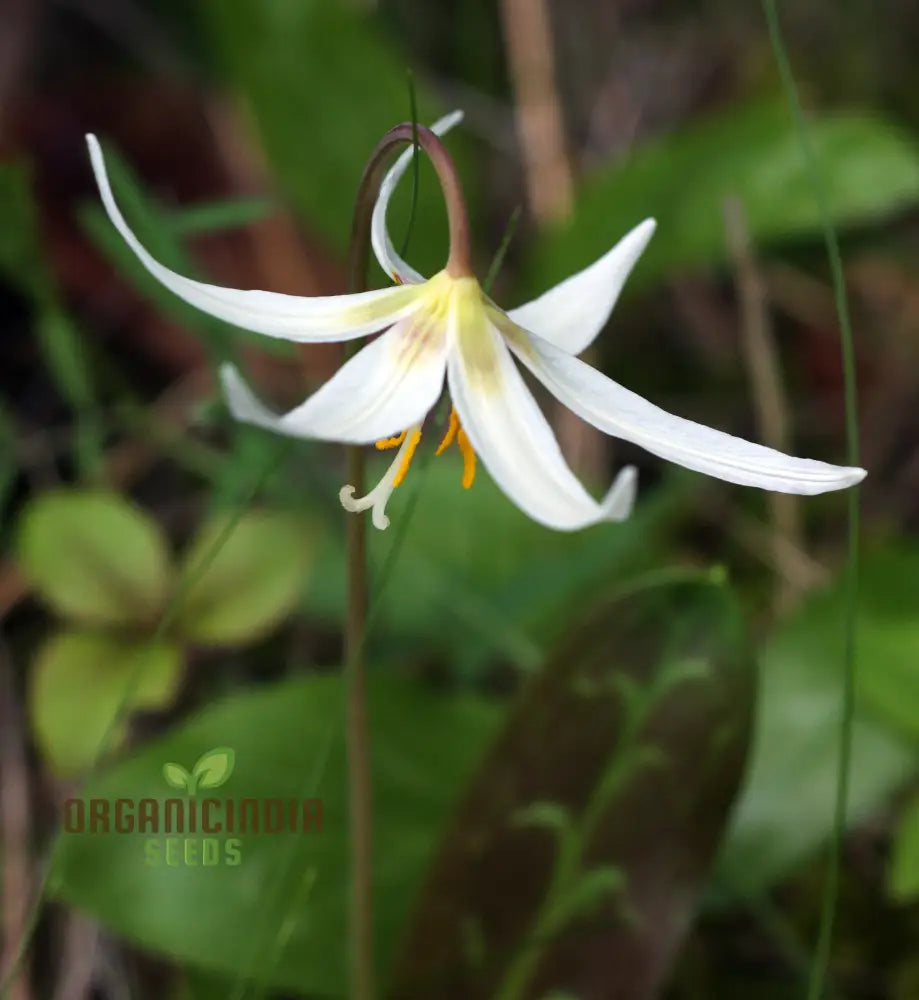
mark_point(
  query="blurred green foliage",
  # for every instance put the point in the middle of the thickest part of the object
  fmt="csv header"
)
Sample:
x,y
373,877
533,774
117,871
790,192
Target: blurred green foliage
x,y
472,589
476,577
305,71
750,153
288,742
105,566
785,812
611,777
23,264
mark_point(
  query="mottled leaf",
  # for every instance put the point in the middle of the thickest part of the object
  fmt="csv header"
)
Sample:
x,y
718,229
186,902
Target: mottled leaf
x,y
637,729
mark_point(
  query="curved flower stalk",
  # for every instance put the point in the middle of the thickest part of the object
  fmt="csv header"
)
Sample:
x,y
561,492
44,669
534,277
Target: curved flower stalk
x,y
445,327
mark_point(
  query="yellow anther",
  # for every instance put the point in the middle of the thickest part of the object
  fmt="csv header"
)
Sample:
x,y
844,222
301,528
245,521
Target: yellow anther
x,y
386,443
407,460
450,434
468,453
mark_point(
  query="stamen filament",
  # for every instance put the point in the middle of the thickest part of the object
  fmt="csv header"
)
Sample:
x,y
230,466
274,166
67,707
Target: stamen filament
x,y
407,458
469,459
450,434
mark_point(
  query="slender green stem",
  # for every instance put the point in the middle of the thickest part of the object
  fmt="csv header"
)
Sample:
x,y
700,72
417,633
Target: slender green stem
x,y
821,960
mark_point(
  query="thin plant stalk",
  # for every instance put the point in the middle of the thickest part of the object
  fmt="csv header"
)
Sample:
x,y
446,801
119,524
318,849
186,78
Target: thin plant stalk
x,y
360,786
820,965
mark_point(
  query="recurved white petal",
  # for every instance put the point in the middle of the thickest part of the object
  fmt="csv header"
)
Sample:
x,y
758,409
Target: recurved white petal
x,y
383,247
514,440
624,414
571,314
290,317
386,387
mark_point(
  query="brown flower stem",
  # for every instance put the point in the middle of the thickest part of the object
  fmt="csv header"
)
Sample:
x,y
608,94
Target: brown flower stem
x,y
459,263
360,784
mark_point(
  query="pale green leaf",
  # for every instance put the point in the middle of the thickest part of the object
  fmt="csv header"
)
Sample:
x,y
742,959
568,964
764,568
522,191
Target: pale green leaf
x,y
177,776
214,768
79,681
250,585
94,557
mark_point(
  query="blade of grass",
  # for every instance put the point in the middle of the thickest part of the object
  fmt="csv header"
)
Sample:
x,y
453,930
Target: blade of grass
x,y
413,108
509,231
214,217
821,960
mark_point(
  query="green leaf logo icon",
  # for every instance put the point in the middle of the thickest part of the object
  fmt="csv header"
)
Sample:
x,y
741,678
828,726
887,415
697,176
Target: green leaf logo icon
x,y
178,777
213,768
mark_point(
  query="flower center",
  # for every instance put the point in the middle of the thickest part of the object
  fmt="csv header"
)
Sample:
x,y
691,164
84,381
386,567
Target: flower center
x,y
407,443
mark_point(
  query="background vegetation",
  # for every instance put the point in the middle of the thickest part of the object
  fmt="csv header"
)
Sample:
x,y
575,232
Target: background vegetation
x,y
604,763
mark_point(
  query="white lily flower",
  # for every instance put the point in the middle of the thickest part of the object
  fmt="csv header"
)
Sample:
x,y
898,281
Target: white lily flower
x,y
446,326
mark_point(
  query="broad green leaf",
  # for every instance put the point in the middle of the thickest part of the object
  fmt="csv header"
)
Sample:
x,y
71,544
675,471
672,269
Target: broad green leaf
x,y
78,684
477,579
646,779
213,769
280,915
303,69
94,557
868,166
903,882
177,776
786,810
252,583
